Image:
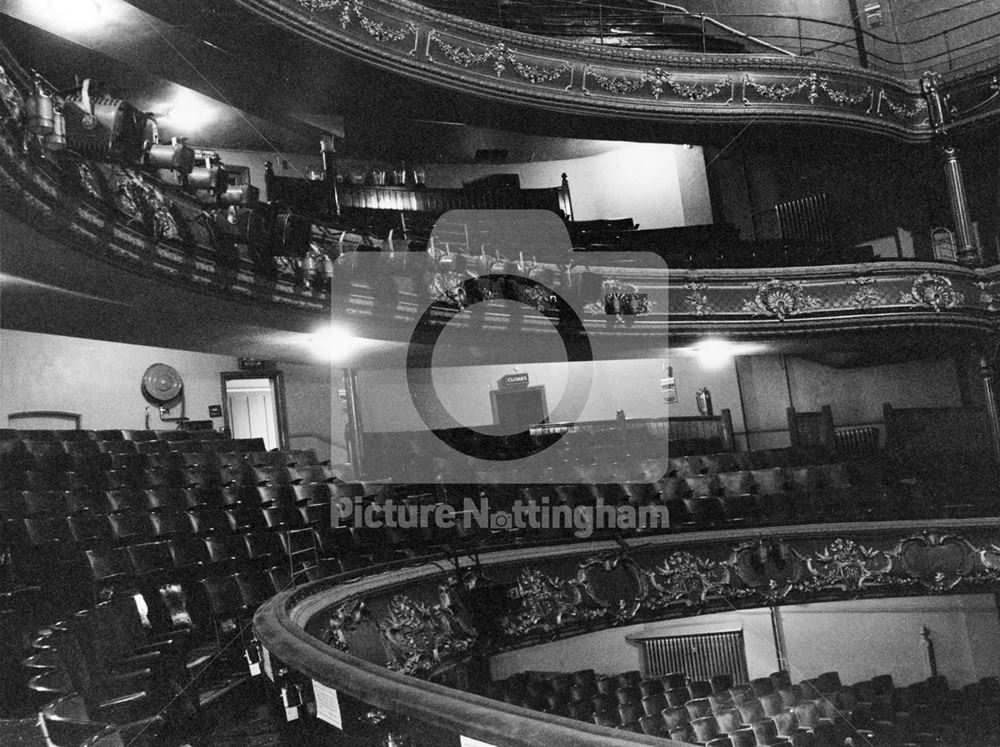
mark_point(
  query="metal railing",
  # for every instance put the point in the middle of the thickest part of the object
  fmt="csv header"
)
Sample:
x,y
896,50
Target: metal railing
x,y
950,39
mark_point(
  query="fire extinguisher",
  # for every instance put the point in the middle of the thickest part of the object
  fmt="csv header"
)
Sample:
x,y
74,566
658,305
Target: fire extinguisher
x,y
704,399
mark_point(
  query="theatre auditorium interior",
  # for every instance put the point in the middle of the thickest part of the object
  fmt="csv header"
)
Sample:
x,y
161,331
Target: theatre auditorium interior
x,y
499,373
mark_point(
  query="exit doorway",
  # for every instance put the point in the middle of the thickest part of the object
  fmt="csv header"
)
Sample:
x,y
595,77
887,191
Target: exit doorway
x,y
254,407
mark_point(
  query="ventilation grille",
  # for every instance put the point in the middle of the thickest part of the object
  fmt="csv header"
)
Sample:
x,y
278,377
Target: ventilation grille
x,y
699,656
857,440
807,218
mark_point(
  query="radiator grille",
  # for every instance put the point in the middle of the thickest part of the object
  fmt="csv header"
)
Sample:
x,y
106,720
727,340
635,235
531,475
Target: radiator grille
x,y
806,218
857,440
699,656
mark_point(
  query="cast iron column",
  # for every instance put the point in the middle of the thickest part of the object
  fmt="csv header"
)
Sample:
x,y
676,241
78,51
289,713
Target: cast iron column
x,y
988,370
966,249
329,152
940,114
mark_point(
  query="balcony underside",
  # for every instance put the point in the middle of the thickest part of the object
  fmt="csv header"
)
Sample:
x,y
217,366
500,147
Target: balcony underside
x,y
597,80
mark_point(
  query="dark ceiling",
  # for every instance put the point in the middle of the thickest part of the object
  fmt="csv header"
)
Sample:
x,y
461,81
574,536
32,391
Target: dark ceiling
x,y
284,92
279,92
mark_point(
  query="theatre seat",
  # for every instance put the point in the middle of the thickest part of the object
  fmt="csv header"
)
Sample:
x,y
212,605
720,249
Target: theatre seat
x,y
255,588
276,495
263,546
169,524
328,567
271,475
227,553
312,493
282,517
151,559
109,566
243,520
89,529
127,526
189,555
208,521
651,724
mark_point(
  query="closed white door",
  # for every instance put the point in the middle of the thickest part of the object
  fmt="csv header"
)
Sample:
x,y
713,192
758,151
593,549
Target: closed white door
x,y
252,410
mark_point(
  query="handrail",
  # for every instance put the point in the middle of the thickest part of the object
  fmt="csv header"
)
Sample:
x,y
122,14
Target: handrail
x,y
26,414
719,24
285,627
779,42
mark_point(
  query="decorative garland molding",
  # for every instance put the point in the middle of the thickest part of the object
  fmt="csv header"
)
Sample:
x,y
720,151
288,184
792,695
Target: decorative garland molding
x,y
432,46
125,218
415,617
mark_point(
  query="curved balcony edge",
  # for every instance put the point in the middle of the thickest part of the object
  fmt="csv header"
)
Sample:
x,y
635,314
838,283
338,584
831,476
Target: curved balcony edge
x,y
559,587
464,55
93,229
755,301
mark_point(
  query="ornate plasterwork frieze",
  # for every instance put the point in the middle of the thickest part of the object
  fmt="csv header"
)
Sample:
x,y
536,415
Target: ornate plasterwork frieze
x,y
350,11
11,97
575,76
990,294
866,294
847,566
755,573
781,299
347,618
936,561
934,291
499,58
418,637
696,300
657,81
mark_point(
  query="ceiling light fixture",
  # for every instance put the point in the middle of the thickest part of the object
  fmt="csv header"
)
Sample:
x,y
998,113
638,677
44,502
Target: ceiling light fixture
x,y
713,353
334,343
189,117
187,112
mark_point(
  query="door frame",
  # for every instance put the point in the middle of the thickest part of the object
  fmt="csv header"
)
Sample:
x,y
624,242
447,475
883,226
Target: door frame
x,y
277,380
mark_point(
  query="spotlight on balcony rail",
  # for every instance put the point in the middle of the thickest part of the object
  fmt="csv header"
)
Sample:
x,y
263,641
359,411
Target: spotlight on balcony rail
x,y
173,156
41,110
208,174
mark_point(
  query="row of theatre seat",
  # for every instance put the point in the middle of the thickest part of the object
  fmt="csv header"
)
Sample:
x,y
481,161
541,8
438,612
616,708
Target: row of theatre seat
x,y
114,434
767,711
108,679
203,512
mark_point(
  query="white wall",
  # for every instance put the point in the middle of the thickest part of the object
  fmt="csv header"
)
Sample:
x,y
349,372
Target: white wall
x,y
857,394
315,416
859,639
757,385
100,379
611,651
772,383
657,185
632,385
883,636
